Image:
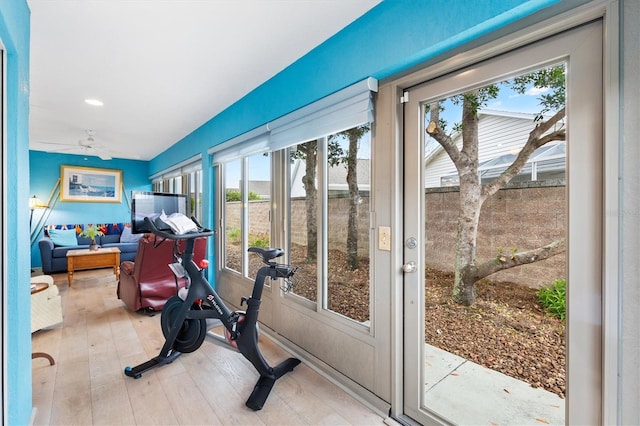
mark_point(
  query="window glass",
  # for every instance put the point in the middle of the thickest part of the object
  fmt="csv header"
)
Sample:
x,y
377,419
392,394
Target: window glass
x,y
485,259
303,210
347,233
258,206
233,216
345,287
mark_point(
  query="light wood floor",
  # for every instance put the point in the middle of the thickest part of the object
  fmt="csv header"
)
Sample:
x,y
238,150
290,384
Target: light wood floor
x,y
99,337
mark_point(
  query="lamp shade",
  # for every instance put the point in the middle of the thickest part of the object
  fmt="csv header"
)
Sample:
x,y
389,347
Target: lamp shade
x,y
36,203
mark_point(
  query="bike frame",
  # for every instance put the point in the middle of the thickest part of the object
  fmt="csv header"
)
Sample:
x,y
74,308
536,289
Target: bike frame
x,y
203,302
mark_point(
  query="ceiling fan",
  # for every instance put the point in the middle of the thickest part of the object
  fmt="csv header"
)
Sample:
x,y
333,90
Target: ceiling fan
x,y
86,145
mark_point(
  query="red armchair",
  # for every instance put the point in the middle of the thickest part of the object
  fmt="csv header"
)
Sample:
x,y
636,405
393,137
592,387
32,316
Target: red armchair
x,y
147,282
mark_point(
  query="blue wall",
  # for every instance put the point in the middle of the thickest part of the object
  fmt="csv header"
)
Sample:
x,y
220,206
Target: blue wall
x,y
135,177
390,38
14,34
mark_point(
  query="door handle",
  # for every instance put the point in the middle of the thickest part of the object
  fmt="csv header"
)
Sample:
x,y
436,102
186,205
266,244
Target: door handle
x,y
409,267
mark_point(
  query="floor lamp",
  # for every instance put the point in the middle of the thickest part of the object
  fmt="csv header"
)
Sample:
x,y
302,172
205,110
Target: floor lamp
x,y
51,202
35,203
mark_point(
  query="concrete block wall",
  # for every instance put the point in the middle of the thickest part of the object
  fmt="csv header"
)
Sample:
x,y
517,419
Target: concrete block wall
x,y
524,218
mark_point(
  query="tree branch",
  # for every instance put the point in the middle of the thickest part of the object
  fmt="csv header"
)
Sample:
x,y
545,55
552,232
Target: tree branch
x,y
537,138
438,134
507,261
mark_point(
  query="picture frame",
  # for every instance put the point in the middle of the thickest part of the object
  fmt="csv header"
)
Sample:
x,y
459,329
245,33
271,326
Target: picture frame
x,y
90,185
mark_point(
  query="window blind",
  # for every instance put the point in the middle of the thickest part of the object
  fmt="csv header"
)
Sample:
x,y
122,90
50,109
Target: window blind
x,y
249,143
184,167
345,109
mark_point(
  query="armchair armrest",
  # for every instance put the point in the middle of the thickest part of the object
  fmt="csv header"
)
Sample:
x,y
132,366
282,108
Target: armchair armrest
x,y
45,244
127,267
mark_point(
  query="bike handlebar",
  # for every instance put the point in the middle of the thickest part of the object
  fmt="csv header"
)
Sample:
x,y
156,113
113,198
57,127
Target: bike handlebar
x,y
169,234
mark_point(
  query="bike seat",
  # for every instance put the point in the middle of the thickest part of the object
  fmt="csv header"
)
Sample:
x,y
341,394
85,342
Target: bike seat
x,y
268,253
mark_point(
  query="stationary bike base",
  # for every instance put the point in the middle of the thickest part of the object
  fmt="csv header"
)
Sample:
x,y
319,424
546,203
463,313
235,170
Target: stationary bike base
x,y
136,372
265,383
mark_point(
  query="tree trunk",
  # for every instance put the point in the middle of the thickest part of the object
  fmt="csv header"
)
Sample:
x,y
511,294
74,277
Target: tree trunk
x,y
464,291
354,201
309,183
473,194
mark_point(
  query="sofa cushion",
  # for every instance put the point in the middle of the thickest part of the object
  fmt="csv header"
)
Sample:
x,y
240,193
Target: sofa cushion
x,y
85,241
109,239
63,237
128,237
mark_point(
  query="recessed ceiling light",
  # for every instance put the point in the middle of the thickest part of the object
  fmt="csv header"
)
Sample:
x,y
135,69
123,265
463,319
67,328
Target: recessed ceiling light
x,y
94,102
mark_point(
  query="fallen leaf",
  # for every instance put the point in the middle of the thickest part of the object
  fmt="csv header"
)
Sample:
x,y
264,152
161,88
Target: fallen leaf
x,y
542,420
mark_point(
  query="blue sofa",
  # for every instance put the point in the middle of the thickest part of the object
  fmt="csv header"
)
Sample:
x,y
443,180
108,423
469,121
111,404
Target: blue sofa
x,y
55,244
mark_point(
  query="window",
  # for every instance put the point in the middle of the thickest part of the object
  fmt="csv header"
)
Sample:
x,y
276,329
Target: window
x,y
321,154
185,179
232,216
247,211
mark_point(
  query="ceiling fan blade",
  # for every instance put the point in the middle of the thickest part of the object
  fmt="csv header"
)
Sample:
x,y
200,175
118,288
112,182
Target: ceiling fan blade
x,y
71,145
84,146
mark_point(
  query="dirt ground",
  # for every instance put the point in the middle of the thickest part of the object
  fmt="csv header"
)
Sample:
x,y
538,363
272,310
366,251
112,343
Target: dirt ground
x,y
505,330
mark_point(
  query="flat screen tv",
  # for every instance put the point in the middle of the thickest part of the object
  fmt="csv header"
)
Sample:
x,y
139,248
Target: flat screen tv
x,y
151,204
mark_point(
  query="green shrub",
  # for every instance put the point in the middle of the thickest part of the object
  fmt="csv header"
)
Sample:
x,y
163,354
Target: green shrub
x,y
235,195
261,241
233,234
553,298
255,240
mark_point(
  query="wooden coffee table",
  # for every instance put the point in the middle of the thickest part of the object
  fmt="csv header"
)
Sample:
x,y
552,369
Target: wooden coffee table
x,y
91,259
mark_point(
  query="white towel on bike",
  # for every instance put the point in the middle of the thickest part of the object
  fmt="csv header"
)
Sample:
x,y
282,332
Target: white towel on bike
x,y
179,223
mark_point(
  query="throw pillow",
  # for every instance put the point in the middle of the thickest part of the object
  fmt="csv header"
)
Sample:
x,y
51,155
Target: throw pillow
x,y
63,237
128,237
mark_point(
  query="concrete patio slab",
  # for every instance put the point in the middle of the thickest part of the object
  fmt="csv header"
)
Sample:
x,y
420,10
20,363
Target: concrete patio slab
x,y
469,394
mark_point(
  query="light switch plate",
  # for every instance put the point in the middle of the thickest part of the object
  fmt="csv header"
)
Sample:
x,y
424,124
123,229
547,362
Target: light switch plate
x,y
384,238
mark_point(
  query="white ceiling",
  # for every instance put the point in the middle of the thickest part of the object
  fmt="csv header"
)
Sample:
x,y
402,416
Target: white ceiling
x,y
162,68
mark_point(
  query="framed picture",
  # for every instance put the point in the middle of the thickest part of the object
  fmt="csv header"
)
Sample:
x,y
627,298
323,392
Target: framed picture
x,y
87,184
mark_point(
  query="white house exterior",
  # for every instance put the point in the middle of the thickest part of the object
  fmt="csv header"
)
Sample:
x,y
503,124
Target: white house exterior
x,y
337,177
501,135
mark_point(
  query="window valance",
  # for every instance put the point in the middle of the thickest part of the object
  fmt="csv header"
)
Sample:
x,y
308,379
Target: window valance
x,y
187,166
348,108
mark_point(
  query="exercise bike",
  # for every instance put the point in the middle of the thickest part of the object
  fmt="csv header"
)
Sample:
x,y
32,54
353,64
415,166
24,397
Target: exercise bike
x,y
187,317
